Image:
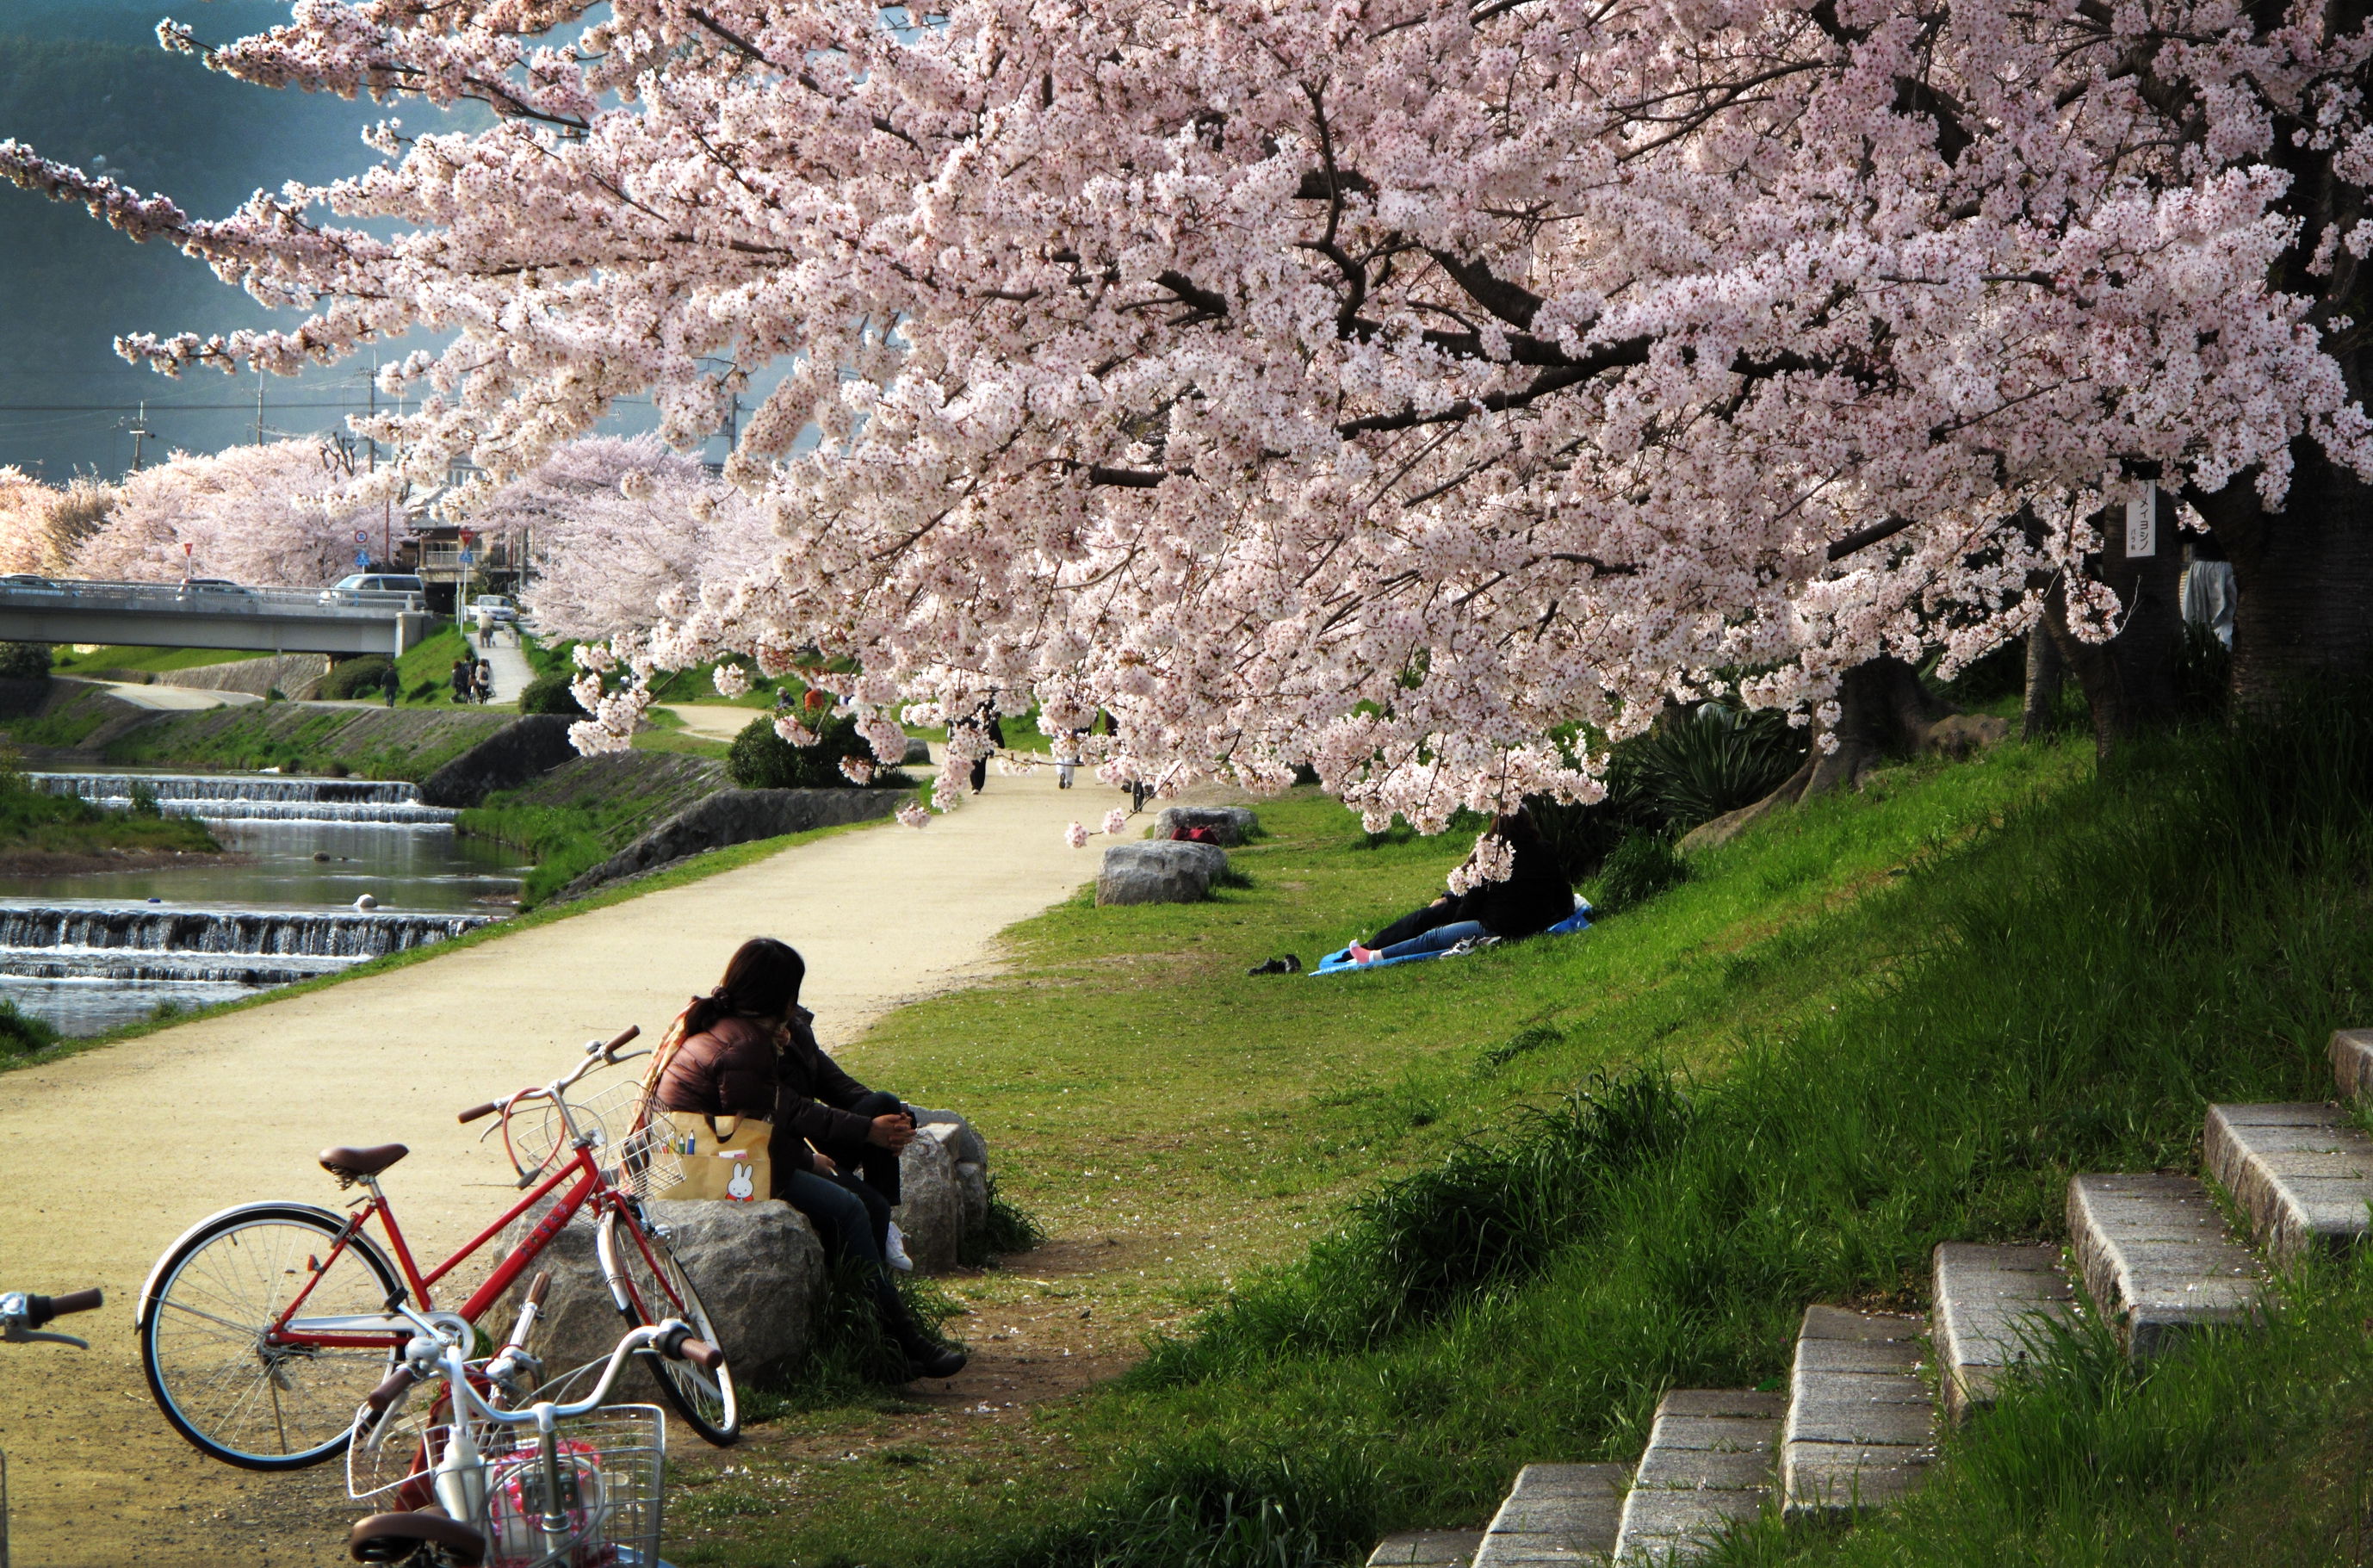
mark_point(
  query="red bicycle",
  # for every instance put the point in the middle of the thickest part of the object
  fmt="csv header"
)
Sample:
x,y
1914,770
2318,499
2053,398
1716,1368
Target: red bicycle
x,y
264,1326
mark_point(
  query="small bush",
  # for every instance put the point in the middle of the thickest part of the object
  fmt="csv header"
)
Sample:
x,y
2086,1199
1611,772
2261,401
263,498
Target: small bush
x,y
762,760
551,694
352,678
20,1032
1717,760
1642,867
24,661
1011,1228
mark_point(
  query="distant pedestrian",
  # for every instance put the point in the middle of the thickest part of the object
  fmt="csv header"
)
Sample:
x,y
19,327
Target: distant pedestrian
x,y
393,683
463,678
984,718
485,626
1067,757
483,681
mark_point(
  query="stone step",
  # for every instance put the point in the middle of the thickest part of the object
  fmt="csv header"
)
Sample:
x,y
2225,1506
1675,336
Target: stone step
x,y
2352,1062
2303,1173
1426,1548
2154,1252
1557,1514
1988,1302
1708,1464
1861,1426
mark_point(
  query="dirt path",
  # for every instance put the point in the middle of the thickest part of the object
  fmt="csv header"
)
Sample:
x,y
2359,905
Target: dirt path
x,y
105,1158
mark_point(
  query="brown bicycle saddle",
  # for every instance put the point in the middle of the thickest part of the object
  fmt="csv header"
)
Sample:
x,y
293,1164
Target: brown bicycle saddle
x,y
353,1163
392,1537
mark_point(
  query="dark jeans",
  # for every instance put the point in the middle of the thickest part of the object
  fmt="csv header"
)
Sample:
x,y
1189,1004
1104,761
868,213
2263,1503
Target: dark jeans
x,y
877,1166
854,1221
1416,923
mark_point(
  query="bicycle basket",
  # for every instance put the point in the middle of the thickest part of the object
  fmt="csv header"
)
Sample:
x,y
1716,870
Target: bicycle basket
x,y
637,1157
604,1511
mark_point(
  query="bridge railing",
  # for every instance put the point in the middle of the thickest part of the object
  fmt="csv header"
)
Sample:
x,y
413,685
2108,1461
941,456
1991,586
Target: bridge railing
x,y
208,599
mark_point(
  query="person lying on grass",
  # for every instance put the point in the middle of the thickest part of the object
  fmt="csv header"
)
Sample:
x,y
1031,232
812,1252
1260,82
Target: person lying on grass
x,y
746,1049
1530,898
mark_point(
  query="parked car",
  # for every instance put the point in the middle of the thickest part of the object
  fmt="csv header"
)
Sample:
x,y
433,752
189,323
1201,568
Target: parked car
x,y
350,590
25,579
496,605
213,585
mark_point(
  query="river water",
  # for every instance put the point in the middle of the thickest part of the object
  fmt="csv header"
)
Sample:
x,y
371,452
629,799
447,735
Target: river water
x,y
92,950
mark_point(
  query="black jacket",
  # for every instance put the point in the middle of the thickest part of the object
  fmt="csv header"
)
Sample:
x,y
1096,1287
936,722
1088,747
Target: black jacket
x,y
738,1068
1534,898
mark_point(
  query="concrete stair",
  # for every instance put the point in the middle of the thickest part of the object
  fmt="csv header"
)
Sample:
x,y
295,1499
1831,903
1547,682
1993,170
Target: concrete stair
x,y
2303,1173
1861,1426
1426,1549
1989,1304
1557,1515
1855,1429
2154,1253
1707,1466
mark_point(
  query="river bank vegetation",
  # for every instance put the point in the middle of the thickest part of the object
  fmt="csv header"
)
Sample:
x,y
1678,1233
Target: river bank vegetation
x,y
1550,1181
40,831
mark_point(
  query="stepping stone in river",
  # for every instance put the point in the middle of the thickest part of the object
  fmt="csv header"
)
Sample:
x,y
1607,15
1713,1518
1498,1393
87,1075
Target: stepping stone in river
x,y
1861,1427
1708,1465
2302,1173
1990,1302
1557,1515
2154,1252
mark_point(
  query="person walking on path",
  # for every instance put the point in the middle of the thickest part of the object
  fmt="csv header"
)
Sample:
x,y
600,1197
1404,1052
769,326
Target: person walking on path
x,y
984,718
393,683
747,1049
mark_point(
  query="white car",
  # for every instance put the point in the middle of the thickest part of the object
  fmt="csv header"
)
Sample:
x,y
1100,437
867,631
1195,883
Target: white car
x,y
495,606
351,590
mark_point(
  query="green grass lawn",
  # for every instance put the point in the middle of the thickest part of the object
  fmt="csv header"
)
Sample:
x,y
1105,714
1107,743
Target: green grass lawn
x,y
1388,1253
65,660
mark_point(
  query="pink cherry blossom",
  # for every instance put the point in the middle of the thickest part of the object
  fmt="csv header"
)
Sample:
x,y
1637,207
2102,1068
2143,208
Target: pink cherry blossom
x,y
1076,836
1115,821
1495,860
913,815
281,515
1376,389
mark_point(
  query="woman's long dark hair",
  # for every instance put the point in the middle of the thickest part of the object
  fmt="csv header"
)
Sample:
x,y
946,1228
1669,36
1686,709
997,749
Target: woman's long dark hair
x,y
762,981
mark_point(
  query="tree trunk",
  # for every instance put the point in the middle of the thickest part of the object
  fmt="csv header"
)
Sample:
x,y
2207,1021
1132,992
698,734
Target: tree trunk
x,y
2045,671
2304,577
2130,680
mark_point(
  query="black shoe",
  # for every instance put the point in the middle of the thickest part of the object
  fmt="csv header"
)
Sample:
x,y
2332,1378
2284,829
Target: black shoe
x,y
936,1361
1289,965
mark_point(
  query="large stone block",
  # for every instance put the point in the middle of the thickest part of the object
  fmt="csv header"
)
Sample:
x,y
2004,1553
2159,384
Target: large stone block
x,y
514,755
1158,872
1230,825
930,1206
737,816
971,1152
757,1267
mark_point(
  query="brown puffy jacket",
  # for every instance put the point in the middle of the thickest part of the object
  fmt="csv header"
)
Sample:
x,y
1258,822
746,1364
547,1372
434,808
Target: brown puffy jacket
x,y
735,1068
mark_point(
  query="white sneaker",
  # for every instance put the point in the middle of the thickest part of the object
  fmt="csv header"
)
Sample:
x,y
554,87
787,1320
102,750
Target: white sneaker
x,y
894,1253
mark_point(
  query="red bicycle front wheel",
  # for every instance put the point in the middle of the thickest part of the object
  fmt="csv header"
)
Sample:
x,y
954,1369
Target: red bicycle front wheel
x,y
649,1287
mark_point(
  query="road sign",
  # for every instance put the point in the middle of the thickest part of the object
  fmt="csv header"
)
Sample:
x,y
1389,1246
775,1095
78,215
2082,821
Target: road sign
x,y
362,557
362,536
468,558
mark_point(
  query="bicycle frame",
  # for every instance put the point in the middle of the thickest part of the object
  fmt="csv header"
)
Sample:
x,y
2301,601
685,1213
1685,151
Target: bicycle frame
x,y
391,1329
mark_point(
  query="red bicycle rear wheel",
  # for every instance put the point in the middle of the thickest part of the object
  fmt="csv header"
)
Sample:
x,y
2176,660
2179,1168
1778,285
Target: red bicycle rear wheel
x,y
650,1286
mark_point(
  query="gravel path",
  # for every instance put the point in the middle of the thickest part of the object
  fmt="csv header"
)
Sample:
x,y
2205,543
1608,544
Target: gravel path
x,y
107,1157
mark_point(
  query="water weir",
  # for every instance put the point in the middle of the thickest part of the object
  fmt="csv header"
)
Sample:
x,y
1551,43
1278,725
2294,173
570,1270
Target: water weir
x,y
255,797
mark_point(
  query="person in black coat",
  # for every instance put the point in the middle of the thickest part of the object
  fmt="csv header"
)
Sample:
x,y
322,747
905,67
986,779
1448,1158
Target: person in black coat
x,y
984,718
1532,898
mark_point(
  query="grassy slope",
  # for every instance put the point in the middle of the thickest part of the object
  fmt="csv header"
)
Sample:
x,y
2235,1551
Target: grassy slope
x,y
1883,1022
66,661
371,742
587,811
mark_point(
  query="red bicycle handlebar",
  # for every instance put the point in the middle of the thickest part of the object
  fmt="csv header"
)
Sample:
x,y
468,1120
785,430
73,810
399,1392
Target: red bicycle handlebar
x,y
611,1049
475,1112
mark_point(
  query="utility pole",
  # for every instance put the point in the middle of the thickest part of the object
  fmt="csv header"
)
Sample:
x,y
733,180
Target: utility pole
x,y
259,408
140,433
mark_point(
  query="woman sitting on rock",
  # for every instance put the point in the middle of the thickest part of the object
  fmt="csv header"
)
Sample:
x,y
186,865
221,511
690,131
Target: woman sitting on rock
x,y
1531,898
746,1049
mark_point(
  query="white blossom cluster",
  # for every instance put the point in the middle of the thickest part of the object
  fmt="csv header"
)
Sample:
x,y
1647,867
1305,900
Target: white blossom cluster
x,y
1379,387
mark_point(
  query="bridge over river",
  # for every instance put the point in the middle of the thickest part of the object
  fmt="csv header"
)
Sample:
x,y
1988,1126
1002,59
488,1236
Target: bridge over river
x,y
204,614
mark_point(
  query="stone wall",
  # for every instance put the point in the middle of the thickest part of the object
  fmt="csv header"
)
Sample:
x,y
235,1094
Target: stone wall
x,y
737,816
296,675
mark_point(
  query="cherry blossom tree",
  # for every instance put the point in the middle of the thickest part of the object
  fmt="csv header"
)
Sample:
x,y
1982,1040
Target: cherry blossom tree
x,y
41,525
283,514
623,534
1379,386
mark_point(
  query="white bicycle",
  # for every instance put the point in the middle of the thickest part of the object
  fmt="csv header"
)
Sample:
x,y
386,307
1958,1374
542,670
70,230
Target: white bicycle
x,y
22,1316
484,1474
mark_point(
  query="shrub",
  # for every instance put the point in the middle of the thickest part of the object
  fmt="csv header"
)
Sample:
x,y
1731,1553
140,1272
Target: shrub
x,y
1717,760
24,661
762,760
362,677
20,1032
1642,866
551,694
